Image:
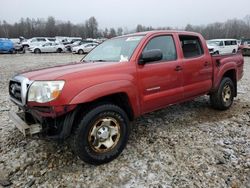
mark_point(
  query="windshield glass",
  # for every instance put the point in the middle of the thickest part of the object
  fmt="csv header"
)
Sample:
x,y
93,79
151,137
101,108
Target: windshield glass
x,y
115,50
213,43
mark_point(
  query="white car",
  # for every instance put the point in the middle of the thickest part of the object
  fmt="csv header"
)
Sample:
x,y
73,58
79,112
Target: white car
x,y
222,46
48,47
84,48
34,42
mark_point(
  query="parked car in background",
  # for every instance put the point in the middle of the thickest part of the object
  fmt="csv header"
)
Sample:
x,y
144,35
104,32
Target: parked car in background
x,y
245,47
101,40
222,46
52,39
70,46
35,41
84,48
17,45
49,47
67,40
6,46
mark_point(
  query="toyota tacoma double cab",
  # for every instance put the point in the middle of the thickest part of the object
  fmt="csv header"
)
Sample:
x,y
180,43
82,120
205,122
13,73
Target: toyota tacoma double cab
x,y
92,102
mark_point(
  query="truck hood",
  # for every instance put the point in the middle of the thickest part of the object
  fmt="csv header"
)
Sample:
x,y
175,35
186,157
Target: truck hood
x,y
59,72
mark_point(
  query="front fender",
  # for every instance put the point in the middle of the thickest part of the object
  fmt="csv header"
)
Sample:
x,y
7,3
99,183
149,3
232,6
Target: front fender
x,y
108,88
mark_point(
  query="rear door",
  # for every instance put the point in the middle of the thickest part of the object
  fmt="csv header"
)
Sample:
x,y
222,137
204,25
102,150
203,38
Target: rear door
x,y
197,66
160,81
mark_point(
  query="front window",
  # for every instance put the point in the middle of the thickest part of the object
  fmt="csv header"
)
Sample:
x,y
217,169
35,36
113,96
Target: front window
x,y
165,44
115,50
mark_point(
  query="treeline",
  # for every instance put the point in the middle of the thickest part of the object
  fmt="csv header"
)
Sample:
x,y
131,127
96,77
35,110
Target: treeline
x,y
235,28
51,27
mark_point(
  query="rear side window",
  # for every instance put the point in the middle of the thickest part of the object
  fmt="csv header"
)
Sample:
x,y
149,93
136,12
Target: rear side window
x,y
165,44
191,46
227,43
41,40
234,42
230,42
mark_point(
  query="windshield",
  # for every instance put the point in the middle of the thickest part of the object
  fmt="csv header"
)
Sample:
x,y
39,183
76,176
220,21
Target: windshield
x,y
213,43
115,50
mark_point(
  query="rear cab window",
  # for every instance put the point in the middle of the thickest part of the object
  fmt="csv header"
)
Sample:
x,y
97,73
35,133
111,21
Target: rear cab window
x,y
191,46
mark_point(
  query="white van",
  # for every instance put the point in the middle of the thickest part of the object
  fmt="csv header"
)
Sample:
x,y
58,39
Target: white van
x,y
222,46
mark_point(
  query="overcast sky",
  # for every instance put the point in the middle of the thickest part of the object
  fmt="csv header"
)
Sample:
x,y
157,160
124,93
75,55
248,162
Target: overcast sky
x,y
127,13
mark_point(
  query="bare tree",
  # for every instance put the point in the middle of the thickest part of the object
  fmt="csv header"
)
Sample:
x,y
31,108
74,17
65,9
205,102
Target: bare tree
x,y
91,27
119,31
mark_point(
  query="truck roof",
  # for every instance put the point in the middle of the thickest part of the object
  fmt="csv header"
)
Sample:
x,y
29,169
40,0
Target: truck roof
x,y
221,39
159,32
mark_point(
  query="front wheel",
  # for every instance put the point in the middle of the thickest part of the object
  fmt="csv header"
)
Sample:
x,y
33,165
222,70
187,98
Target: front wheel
x,y
101,135
216,53
223,98
59,50
80,51
37,51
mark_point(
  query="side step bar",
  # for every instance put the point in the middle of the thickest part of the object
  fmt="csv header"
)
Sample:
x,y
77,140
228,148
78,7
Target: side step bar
x,y
23,126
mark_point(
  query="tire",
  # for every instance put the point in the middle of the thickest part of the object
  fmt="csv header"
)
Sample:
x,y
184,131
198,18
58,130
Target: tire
x,y
59,50
223,98
13,51
80,51
25,47
234,51
37,51
217,53
93,140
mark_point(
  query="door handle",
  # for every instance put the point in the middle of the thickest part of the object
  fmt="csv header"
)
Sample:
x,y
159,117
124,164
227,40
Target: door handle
x,y
206,64
178,68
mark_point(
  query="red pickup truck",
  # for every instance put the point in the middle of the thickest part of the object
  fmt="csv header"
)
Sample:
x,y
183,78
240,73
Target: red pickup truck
x,y
93,101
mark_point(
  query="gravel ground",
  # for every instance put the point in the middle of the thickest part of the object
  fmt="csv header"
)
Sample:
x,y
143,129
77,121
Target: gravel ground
x,y
186,145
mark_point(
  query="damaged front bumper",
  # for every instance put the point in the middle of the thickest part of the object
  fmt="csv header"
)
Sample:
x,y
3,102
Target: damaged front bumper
x,y
26,129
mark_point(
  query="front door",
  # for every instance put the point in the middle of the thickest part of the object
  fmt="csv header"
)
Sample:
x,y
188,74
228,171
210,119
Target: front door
x,y
160,81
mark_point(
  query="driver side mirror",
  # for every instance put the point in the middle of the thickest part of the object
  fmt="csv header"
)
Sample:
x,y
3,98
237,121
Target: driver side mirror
x,y
150,56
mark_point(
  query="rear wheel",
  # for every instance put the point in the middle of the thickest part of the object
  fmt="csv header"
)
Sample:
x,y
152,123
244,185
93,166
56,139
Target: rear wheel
x,y
222,99
59,50
101,135
80,51
37,51
234,51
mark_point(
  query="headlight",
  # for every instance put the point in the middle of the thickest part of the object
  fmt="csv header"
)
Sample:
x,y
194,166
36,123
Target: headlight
x,y
45,91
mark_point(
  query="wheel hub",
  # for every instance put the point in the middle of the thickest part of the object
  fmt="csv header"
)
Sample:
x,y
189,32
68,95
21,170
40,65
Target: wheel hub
x,y
104,134
226,94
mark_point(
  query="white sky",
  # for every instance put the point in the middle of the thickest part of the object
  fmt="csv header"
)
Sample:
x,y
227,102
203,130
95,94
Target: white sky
x,y
127,13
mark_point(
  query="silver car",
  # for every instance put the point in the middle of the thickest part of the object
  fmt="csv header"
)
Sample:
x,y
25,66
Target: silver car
x,y
84,48
50,47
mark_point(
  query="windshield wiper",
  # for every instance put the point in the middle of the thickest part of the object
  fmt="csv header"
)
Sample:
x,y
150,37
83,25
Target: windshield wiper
x,y
84,61
99,60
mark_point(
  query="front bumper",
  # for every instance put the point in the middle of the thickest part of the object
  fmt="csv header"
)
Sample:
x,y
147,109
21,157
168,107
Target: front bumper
x,y
22,126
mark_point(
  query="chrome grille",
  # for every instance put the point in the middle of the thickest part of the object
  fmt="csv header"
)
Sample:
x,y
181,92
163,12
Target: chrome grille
x,y
15,90
18,87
